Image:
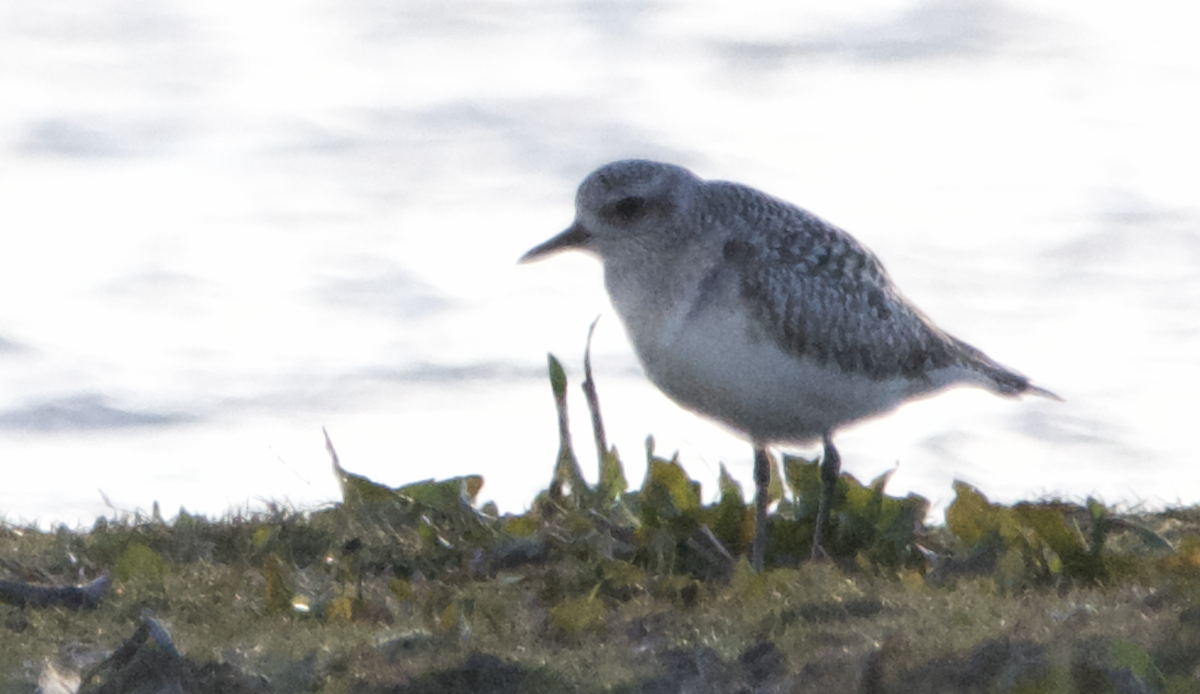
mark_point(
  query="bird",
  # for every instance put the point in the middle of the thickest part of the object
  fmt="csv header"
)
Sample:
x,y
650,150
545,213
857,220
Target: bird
x,y
759,314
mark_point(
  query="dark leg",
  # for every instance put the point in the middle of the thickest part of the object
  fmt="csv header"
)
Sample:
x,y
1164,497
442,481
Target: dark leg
x,y
762,481
831,467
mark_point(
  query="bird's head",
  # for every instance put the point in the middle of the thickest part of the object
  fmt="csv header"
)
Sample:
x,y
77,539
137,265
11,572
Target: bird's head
x,y
626,206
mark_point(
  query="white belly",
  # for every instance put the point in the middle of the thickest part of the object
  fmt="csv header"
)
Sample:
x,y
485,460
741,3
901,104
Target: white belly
x,y
724,365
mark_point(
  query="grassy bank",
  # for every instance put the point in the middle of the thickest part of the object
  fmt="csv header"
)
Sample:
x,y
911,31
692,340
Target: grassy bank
x,y
603,588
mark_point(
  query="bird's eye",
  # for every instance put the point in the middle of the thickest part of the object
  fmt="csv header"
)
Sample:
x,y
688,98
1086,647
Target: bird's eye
x,y
630,208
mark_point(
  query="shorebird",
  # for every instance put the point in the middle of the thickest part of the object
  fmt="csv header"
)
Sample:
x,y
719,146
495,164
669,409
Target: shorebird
x,y
761,315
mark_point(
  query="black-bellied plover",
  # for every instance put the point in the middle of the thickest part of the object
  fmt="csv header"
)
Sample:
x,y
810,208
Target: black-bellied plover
x,y
761,315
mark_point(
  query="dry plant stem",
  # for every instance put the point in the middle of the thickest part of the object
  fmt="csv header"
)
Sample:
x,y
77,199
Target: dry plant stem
x,y
713,558
329,447
593,400
337,465
762,497
566,472
708,533
566,455
564,432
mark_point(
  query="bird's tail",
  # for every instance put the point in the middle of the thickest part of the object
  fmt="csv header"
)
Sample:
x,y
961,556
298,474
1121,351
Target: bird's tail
x,y
1031,389
1003,380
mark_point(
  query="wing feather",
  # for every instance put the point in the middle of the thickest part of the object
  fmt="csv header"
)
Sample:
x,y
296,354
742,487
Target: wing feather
x,y
822,294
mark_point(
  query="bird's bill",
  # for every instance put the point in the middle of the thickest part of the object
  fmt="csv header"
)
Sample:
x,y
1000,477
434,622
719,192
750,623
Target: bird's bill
x,y
574,237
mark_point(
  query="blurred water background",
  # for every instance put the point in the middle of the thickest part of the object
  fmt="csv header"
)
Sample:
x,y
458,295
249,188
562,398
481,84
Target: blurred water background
x,y
226,225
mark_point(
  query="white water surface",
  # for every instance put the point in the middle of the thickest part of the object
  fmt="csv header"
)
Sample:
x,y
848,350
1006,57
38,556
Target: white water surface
x,y
225,226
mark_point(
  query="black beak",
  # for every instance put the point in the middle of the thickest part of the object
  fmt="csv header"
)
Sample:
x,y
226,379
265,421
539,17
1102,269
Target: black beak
x,y
574,237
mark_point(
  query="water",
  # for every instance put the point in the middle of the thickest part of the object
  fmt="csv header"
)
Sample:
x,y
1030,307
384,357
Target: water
x,y
227,226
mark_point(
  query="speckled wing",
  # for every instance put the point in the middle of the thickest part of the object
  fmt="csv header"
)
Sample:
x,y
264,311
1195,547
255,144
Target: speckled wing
x,y
823,295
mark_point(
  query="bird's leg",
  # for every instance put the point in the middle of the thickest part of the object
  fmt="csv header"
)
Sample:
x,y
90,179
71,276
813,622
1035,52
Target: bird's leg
x,y
831,466
762,496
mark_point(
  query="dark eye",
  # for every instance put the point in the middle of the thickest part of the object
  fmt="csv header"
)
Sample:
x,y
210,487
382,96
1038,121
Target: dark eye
x,y
630,208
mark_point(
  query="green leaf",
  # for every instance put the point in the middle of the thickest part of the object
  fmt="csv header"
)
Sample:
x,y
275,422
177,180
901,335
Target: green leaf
x,y
1051,526
879,483
575,616
1101,525
612,478
788,538
567,472
671,476
521,526
278,584
804,479
140,562
558,377
1050,523
895,525
667,494
775,485
359,491
729,485
857,510
733,524
1152,539
447,496
970,516
859,500
566,469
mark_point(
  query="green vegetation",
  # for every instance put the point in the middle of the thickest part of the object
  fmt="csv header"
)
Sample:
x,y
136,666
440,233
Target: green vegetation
x,y
600,588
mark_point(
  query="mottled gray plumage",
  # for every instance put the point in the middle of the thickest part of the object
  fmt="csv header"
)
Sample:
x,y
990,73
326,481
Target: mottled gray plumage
x,y
824,295
759,314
